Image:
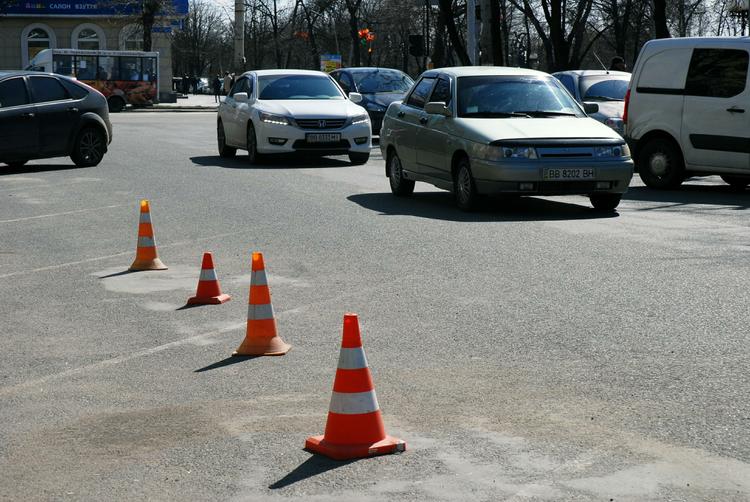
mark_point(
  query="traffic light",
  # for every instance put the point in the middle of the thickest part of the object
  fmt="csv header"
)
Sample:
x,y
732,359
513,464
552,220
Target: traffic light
x,y
416,45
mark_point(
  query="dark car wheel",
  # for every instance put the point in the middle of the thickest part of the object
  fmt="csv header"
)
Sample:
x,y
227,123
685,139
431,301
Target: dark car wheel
x,y
605,202
358,158
737,182
89,147
660,164
17,164
464,188
116,104
252,145
221,139
400,186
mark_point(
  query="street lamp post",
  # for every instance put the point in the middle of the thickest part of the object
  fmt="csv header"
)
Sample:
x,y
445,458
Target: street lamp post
x,y
239,35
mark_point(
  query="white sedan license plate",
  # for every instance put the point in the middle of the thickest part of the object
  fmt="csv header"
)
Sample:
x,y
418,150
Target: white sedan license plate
x,y
329,137
569,174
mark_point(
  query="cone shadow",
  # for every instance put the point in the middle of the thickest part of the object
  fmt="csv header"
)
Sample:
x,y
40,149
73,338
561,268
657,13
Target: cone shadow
x,y
225,362
316,464
124,272
191,306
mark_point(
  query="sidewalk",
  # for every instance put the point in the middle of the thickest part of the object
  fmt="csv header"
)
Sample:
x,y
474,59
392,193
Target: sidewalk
x,y
191,103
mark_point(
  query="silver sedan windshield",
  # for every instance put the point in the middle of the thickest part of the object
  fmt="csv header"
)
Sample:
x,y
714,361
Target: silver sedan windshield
x,y
511,96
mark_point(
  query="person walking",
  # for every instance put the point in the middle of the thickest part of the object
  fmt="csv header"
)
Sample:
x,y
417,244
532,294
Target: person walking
x,y
217,88
227,83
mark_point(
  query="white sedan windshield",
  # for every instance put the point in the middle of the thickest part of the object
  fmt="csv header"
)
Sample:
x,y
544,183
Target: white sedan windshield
x,y
510,96
271,87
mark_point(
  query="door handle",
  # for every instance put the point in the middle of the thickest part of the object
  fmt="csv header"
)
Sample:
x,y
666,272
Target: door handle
x,y
28,115
400,114
423,120
734,109
73,109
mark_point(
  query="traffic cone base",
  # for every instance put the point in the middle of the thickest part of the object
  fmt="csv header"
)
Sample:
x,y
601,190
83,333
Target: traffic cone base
x,y
213,300
154,264
386,446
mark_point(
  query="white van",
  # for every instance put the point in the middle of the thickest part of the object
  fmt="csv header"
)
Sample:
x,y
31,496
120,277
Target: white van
x,y
687,110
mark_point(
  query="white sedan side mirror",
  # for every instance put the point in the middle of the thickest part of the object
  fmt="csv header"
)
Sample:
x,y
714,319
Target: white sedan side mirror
x,y
355,97
240,97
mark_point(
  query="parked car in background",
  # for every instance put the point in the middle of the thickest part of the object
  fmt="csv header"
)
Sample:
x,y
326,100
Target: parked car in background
x,y
45,115
605,88
379,88
287,111
203,86
688,110
486,130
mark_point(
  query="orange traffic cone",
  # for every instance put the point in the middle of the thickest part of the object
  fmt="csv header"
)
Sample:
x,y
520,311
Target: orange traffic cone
x,y
354,428
209,291
145,254
261,338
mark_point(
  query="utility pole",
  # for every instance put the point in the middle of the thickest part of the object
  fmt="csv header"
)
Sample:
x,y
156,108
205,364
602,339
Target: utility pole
x,y
471,28
239,35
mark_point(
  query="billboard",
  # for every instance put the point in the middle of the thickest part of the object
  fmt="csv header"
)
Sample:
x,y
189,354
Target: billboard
x,y
330,62
86,8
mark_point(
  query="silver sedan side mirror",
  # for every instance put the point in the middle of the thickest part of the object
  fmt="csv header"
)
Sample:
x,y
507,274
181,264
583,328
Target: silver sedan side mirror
x,y
437,108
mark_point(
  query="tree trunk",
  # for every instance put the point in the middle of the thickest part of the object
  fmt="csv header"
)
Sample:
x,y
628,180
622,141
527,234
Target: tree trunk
x,y
446,8
660,19
496,35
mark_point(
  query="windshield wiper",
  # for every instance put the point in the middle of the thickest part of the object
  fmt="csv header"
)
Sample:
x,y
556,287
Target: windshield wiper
x,y
546,113
501,115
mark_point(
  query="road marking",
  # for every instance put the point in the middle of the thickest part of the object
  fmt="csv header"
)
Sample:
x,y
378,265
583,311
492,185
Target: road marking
x,y
116,360
64,213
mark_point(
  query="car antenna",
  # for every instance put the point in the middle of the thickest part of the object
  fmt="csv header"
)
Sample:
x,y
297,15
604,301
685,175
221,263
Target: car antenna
x,y
600,62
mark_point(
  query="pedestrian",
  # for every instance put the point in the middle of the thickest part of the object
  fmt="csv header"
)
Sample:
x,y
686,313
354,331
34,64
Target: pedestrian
x,y
227,83
185,84
618,64
217,88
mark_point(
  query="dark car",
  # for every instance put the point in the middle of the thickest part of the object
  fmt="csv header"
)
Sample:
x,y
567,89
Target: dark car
x,y
378,86
45,115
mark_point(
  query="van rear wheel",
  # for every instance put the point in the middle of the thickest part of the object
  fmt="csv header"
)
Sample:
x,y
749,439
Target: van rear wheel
x,y
660,164
116,104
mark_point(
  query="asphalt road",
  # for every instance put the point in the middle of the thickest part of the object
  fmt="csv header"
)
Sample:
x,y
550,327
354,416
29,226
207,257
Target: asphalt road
x,y
535,350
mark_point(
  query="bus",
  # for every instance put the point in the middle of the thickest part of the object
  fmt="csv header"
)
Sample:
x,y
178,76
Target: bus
x,y
124,77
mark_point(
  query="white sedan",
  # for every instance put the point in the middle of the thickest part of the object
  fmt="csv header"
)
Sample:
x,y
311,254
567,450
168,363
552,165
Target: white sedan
x,y
287,111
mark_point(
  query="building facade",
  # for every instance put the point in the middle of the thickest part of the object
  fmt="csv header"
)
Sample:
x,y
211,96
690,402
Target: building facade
x,y
28,27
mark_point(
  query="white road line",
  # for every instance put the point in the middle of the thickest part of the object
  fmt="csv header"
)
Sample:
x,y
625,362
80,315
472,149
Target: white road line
x,y
52,215
116,360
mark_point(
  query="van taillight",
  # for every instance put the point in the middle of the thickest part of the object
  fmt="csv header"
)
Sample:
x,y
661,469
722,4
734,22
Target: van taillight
x,y
625,112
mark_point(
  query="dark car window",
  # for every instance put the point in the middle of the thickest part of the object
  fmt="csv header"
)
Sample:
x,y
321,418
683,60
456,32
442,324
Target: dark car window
x,y
717,73
239,86
442,92
13,93
47,89
568,82
74,89
607,89
418,96
382,81
346,82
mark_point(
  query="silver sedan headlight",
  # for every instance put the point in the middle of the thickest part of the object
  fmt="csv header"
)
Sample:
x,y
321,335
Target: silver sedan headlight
x,y
270,118
613,151
497,153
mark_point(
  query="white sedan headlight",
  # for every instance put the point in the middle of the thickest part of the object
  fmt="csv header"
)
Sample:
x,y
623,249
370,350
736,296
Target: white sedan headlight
x,y
270,118
360,119
613,151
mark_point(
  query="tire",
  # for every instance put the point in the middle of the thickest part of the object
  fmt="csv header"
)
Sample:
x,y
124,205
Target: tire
x,y
400,186
251,142
89,147
358,159
605,202
16,164
115,104
660,164
464,188
225,151
738,183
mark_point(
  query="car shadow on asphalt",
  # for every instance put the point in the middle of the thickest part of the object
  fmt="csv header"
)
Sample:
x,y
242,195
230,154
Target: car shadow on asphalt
x,y
440,206
316,464
227,361
275,163
687,194
6,170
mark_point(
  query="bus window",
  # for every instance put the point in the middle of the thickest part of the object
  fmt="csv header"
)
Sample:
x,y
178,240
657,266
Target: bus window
x,y
149,69
108,68
86,67
62,65
130,68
